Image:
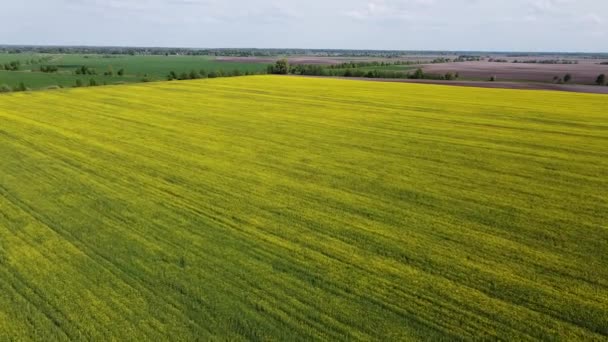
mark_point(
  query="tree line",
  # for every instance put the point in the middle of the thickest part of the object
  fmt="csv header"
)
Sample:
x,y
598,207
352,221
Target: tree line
x,y
16,64
7,89
282,67
599,80
11,66
197,74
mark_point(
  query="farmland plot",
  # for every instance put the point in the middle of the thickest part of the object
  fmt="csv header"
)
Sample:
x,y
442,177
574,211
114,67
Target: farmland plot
x,y
281,208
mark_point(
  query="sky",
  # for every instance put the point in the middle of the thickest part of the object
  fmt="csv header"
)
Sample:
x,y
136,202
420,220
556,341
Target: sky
x,y
463,25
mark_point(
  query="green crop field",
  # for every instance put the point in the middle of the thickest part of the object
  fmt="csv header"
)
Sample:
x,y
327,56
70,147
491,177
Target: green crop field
x,y
285,208
136,68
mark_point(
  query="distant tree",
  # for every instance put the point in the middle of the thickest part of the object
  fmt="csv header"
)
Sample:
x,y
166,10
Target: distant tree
x,y
281,67
457,75
85,70
14,65
92,82
449,76
5,89
212,74
194,75
20,87
121,72
419,74
601,79
555,79
48,68
78,83
172,76
493,78
184,76
567,78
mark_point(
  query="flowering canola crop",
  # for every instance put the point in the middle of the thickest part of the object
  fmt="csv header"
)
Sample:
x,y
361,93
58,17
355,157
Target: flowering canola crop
x,y
284,208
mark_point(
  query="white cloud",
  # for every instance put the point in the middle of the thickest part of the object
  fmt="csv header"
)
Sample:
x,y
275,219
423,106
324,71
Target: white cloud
x,y
549,6
592,18
387,9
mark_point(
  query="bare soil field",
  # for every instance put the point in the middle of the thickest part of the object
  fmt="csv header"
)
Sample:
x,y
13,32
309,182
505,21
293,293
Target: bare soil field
x,y
323,60
576,88
585,72
292,60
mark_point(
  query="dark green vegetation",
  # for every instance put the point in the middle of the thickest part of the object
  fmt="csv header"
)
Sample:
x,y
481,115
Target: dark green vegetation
x,y
66,70
284,208
396,70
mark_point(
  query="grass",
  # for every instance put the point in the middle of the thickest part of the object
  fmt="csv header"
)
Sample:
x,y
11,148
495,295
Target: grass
x,y
282,208
39,80
136,68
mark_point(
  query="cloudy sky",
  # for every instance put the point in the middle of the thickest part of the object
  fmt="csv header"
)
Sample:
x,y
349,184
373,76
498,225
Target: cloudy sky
x,y
520,25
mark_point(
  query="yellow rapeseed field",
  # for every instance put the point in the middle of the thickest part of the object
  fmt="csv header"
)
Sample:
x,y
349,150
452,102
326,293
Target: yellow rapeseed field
x,y
284,208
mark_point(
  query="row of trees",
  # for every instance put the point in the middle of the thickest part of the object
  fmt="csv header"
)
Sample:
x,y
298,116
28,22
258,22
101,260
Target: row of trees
x,y
600,80
82,70
233,52
196,74
354,65
85,70
48,68
110,72
282,67
16,65
468,58
498,60
92,83
40,60
7,89
560,80
11,66
547,61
